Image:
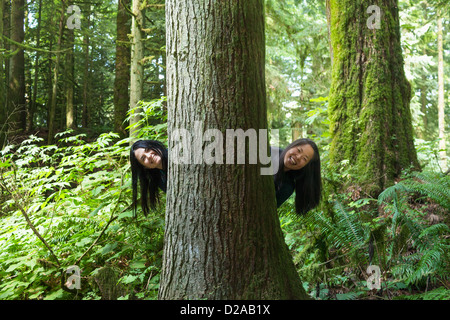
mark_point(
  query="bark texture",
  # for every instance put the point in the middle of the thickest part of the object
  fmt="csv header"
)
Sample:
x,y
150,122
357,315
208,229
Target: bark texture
x,y
137,68
122,80
223,237
370,95
441,100
17,111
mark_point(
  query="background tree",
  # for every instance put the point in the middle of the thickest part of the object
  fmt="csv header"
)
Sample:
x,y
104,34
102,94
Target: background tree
x,y
137,67
297,67
223,240
3,89
16,102
441,101
51,119
370,95
122,72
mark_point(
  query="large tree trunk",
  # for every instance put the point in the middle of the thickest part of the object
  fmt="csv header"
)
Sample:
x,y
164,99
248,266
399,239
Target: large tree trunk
x,y
17,111
137,68
122,80
223,237
369,99
441,102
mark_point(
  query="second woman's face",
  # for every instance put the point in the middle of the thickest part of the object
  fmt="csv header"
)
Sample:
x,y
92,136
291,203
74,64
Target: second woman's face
x,y
297,157
148,158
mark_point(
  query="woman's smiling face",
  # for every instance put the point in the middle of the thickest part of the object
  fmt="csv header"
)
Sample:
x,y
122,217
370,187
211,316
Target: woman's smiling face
x,y
297,157
149,158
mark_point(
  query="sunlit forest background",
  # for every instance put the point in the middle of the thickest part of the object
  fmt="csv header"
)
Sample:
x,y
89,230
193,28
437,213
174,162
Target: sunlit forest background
x,y
65,180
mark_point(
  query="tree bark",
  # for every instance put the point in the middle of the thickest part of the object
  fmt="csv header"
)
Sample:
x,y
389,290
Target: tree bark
x,y
2,81
17,110
32,108
52,121
137,68
122,80
370,95
441,101
223,236
70,117
86,42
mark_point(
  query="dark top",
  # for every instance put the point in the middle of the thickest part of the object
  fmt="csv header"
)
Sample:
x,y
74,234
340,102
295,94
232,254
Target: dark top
x,y
285,188
163,182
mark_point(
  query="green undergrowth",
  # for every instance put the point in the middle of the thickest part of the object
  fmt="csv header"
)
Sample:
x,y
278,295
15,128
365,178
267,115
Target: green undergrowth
x,y
404,232
69,204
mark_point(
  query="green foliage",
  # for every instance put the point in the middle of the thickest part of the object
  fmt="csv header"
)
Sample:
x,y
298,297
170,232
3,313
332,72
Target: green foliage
x,y
77,196
152,121
334,245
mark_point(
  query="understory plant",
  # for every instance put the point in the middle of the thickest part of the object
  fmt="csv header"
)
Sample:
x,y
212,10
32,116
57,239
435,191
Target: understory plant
x,y
66,208
404,232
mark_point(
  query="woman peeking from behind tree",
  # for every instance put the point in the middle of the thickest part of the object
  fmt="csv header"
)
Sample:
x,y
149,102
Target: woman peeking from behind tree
x,y
148,160
299,171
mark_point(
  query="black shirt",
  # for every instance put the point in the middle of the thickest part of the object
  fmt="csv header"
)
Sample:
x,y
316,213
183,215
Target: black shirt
x,y
284,188
163,181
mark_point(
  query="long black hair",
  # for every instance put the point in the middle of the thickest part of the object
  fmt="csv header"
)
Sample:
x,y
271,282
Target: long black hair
x,y
149,179
308,181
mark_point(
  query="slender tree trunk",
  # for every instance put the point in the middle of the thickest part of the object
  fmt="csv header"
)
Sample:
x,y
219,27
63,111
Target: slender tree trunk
x,y
2,82
17,110
85,116
422,132
137,69
441,101
423,108
52,121
70,67
122,80
223,237
6,32
370,95
32,109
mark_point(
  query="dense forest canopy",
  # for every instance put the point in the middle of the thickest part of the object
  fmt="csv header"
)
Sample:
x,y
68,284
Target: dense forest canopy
x,y
80,81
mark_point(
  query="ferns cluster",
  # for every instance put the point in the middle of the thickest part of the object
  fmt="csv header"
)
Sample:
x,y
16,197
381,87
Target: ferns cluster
x,y
391,232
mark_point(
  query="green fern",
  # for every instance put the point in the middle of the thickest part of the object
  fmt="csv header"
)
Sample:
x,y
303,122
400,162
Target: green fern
x,y
441,293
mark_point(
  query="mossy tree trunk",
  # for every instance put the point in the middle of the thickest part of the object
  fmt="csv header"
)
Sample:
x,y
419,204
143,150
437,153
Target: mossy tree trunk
x,y
223,237
370,95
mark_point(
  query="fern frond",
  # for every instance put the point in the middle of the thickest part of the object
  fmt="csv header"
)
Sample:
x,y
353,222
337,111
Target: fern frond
x,y
350,225
431,185
390,193
434,230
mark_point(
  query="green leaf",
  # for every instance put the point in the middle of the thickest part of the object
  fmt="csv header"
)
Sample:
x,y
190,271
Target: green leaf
x,y
128,279
55,295
94,213
109,248
126,214
139,264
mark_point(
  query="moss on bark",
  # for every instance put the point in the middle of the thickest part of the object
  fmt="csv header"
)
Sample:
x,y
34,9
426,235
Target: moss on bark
x,y
370,95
